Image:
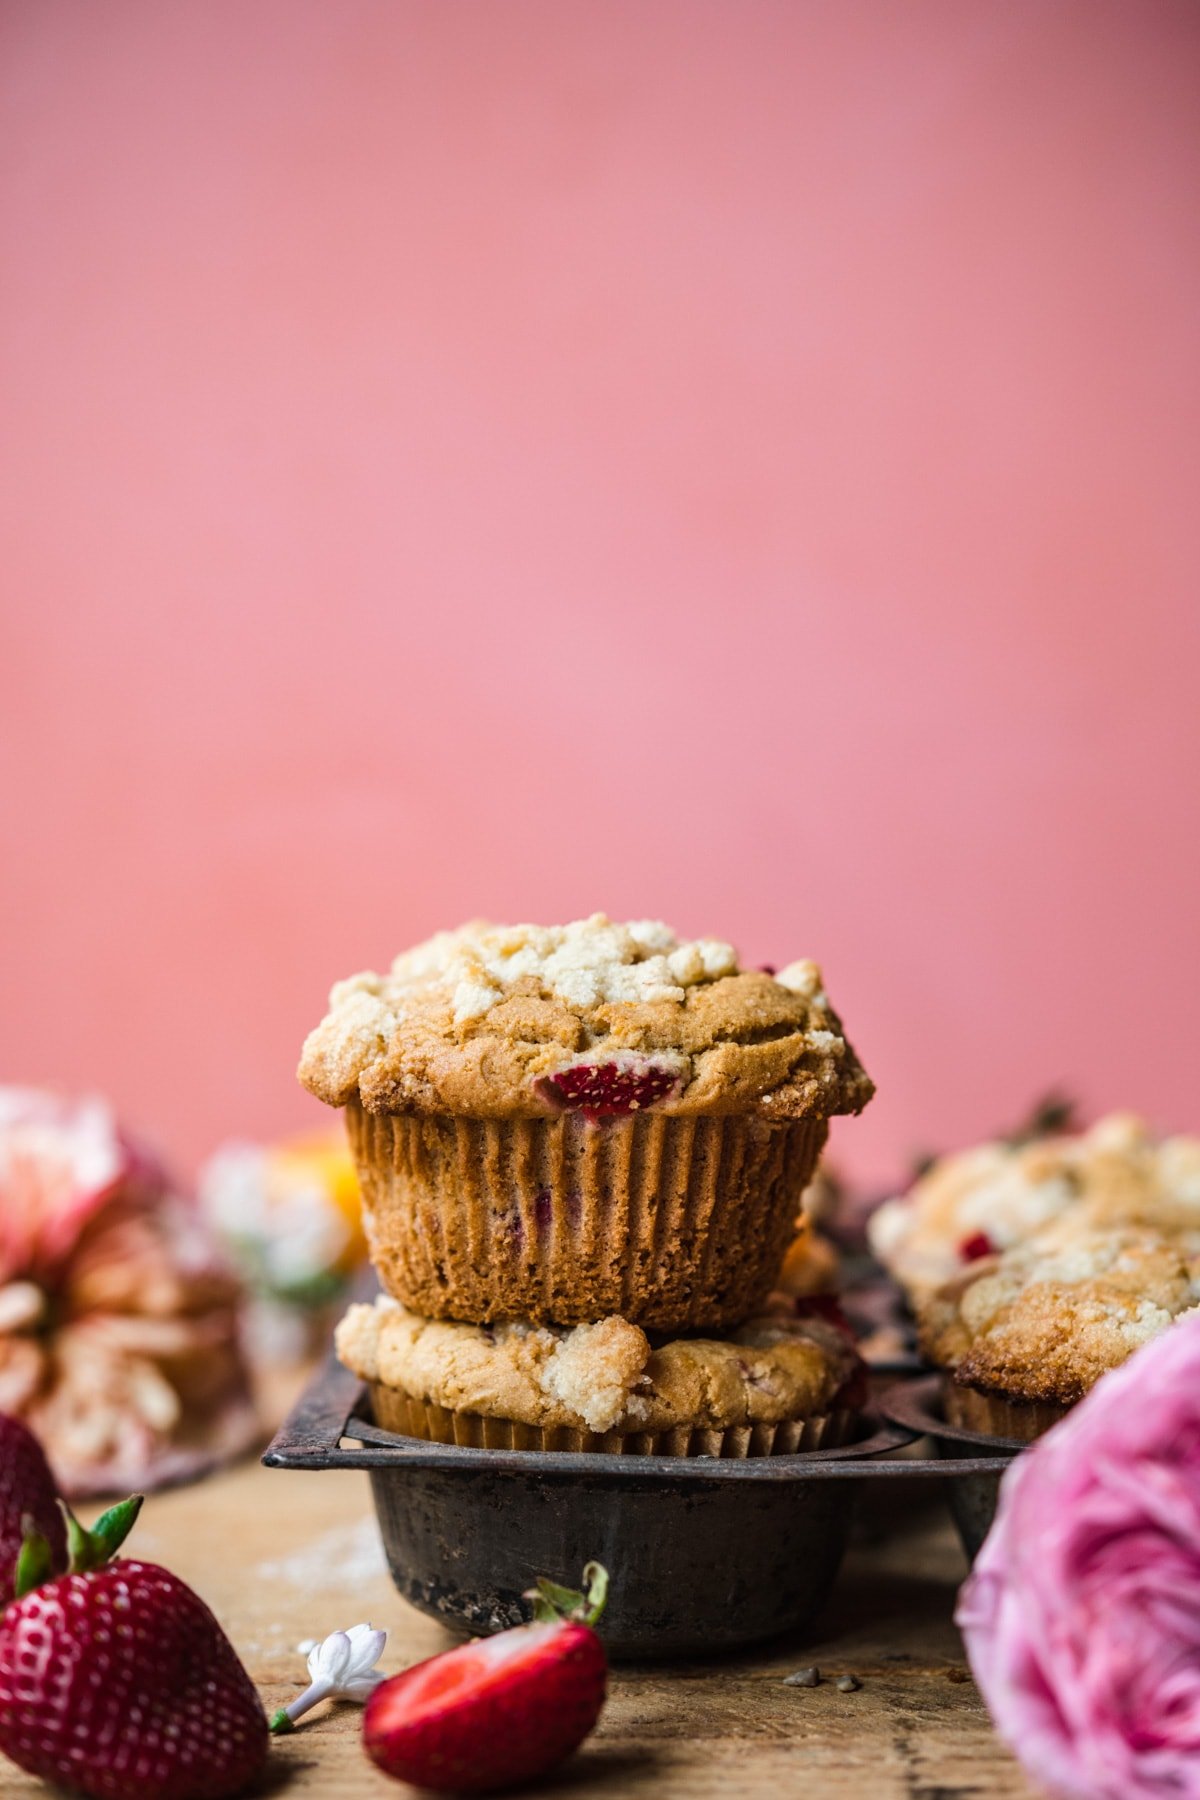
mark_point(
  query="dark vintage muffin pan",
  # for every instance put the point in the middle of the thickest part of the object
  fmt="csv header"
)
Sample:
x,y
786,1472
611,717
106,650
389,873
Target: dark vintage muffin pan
x,y
705,1554
972,1493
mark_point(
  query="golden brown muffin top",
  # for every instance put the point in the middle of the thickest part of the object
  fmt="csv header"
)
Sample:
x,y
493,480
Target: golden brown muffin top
x,y
519,1021
603,1377
1045,1320
1000,1194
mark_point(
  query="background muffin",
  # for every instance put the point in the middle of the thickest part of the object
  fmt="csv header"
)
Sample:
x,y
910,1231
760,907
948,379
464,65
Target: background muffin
x,y
779,1383
996,1195
556,1123
1027,1334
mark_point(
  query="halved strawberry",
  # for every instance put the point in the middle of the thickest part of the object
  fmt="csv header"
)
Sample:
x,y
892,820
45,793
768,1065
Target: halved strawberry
x,y
502,1709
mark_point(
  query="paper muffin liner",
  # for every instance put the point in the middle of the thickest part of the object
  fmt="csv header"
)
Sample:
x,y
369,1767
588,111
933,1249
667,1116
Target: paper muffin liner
x,y
972,1409
676,1223
397,1411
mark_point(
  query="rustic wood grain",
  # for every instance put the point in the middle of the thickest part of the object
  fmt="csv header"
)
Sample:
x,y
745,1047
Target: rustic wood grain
x,y
285,1556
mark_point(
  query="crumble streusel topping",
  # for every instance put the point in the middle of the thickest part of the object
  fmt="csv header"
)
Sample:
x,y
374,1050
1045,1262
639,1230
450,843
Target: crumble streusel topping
x,y
484,1020
586,963
997,1195
1044,1321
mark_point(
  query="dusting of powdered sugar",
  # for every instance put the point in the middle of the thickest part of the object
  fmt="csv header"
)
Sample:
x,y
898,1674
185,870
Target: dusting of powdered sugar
x,y
341,1558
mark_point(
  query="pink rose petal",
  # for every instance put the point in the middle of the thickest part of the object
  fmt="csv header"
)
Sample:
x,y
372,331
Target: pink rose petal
x,y
59,1162
1082,1614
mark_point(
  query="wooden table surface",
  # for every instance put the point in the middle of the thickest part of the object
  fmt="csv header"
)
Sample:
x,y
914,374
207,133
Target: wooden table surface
x,y
283,1556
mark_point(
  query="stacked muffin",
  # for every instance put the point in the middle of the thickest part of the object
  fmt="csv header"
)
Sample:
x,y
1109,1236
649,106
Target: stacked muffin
x,y
581,1147
1035,1267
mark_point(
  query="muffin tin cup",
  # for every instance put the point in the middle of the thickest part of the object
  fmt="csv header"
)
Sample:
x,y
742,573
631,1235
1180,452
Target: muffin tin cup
x,y
402,1413
674,1222
975,1460
705,1554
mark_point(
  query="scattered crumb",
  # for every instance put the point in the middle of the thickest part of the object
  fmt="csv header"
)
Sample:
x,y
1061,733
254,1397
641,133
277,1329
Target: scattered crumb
x,y
803,1678
958,1675
342,1558
847,1684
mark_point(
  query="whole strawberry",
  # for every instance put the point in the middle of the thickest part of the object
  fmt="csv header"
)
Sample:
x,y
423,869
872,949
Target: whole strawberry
x,y
28,1497
502,1710
117,1682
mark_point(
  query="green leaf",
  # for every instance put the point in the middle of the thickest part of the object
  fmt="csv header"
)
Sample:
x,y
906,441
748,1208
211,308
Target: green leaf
x,y
35,1563
1053,1113
595,1577
89,1550
114,1526
553,1603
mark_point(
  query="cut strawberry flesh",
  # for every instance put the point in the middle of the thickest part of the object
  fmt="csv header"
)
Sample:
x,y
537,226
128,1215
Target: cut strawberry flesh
x,y
445,1677
461,1674
605,1090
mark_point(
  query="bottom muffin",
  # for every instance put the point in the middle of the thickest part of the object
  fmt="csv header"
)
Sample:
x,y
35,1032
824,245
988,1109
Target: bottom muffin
x,y
1028,1334
778,1384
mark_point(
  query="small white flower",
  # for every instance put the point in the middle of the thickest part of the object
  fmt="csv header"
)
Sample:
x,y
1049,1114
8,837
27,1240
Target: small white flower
x,y
342,1667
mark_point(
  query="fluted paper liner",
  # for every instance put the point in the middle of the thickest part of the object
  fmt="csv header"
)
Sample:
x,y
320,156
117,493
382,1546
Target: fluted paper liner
x,y
675,1223
397,1411
972,1409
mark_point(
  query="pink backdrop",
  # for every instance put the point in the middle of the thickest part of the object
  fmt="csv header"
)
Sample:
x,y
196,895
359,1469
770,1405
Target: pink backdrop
x,y
720,459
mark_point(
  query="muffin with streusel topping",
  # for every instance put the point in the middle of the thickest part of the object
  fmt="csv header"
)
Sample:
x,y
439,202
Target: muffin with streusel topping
x,y
555,1124
985,1200
1025,1335
781,1383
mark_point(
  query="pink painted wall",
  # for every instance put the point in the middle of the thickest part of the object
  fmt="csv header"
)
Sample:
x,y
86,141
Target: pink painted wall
x,y
721,459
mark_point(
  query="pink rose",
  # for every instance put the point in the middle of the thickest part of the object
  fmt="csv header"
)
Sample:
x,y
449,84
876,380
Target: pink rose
x,y
118,1321
60,1160
1082,1615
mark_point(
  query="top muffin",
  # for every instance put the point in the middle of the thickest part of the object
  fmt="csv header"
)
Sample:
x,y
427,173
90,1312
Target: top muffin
x,y
526,1021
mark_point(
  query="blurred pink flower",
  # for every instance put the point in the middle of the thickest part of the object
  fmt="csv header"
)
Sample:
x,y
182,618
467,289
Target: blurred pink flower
x,y
1082,1614
59,1162
118,1321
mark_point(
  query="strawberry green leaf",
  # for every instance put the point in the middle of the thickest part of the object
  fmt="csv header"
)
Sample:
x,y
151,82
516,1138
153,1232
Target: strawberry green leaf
x,y
35,1561
595,1576
1053,1113
92,1549
552,1603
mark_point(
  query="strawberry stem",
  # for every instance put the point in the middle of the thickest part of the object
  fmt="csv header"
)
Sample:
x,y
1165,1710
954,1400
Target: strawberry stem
x,y
553,1603
90,1550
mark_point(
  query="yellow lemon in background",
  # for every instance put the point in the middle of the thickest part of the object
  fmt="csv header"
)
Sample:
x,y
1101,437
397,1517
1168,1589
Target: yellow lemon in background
x,y
320,1162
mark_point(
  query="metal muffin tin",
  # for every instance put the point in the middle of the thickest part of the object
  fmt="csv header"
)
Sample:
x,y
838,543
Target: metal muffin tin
x,y
972,1492
705,1554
